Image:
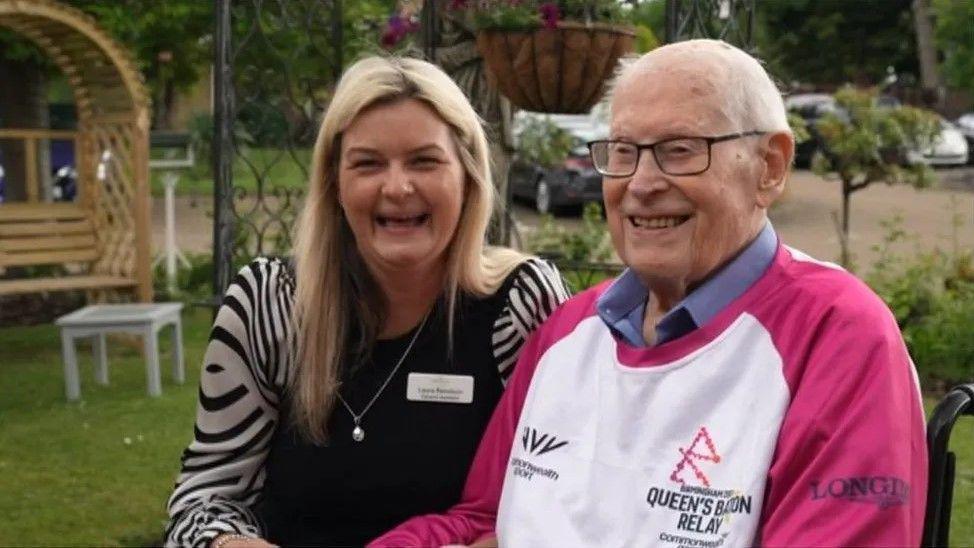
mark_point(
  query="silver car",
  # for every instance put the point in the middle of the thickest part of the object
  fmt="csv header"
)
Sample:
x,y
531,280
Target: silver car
x,y
965,124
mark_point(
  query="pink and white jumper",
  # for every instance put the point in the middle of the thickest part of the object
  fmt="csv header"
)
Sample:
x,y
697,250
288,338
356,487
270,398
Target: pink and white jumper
x,y
792,418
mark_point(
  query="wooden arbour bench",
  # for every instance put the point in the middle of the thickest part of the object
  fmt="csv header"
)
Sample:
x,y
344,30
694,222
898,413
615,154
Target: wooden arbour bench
x,y
53,234
104,237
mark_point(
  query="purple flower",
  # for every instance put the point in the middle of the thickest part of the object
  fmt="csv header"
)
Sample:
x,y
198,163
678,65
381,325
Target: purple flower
x,y
396,23
550,14
396,29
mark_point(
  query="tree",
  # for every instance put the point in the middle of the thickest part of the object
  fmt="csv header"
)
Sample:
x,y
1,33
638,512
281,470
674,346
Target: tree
x,y
649,15
953,23
290,54
864,143
930,80
170,41
649,18
22,106
830,42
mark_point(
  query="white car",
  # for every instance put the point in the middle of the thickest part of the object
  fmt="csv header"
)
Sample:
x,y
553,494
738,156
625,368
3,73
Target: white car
x,y
966,126
948,149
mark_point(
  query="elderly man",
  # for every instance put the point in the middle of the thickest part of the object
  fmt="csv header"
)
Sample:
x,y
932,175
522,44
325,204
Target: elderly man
x,y
725,390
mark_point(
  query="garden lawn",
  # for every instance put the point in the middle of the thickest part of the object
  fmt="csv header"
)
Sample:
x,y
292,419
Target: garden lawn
x,y
98,472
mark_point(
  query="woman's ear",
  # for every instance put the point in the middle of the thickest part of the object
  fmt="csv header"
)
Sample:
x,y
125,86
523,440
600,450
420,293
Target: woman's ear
x,y
777,153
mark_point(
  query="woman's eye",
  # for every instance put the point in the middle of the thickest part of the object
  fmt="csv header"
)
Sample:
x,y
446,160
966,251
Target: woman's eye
x,y
364,163
426,161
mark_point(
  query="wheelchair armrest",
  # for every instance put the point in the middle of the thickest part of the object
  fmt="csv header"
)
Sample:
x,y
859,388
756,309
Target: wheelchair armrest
x,y
958,402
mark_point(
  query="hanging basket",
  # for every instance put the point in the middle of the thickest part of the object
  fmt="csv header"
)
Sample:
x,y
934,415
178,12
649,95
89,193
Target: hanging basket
x,y
559,70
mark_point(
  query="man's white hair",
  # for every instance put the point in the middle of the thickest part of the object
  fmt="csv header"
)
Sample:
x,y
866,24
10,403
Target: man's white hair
x,y
752,101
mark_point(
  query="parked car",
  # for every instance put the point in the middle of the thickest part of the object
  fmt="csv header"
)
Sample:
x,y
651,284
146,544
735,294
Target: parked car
x,y
965,124
571,181
811,107
948,148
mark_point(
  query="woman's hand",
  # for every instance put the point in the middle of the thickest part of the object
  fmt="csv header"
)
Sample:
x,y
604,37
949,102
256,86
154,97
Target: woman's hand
x,y
239,541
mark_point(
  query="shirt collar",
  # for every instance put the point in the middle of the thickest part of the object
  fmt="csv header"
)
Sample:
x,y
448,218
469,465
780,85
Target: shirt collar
x,y
623,305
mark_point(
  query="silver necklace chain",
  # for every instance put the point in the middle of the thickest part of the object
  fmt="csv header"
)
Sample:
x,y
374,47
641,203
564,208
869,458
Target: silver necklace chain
x,y
358,434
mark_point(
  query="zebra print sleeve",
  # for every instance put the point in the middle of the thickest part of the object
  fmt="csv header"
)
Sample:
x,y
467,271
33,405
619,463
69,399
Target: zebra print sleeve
x,y
245,366
537,290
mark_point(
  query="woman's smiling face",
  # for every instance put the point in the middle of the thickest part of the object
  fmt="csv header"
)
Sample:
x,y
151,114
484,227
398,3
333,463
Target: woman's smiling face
x,y
401,186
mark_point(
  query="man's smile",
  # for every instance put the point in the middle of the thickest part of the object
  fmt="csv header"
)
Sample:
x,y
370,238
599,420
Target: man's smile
x,y
658,222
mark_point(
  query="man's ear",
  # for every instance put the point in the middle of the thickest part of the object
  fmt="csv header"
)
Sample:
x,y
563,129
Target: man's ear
x,y
777,153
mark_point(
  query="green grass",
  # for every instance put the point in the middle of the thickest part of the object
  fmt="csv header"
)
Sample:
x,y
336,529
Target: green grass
x,y
98,472
276,167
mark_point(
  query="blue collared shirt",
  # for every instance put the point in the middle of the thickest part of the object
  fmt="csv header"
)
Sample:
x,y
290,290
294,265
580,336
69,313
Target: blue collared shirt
x,y
623,305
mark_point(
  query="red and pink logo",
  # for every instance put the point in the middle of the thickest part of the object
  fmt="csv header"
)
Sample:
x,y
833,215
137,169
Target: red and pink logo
x,y
701,449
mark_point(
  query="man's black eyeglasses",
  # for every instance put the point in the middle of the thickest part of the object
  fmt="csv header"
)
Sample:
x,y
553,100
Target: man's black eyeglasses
x,y
674,156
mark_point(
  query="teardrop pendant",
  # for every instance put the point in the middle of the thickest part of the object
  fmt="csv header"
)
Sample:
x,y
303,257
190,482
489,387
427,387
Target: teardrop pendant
x,y
358,434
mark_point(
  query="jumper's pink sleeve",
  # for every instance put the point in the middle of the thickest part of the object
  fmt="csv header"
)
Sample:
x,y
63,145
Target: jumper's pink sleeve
x,y
850,468
475,515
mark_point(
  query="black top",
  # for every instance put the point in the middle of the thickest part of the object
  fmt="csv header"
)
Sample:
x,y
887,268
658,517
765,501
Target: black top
x,y
415,455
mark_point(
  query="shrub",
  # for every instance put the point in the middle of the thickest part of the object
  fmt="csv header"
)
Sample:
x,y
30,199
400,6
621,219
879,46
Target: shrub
x,y
931,294
589,244
194,284
542,142
581,254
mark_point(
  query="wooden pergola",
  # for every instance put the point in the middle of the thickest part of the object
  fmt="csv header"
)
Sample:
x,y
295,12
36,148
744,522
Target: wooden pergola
x,y
107,227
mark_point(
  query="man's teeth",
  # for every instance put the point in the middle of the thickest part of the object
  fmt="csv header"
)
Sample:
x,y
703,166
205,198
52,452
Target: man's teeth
x,y
657,222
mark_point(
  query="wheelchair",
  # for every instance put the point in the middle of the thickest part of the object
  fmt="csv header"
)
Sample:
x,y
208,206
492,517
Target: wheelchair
x,y
940,489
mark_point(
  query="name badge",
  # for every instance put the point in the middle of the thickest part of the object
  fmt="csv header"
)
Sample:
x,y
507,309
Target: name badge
x,y
439,388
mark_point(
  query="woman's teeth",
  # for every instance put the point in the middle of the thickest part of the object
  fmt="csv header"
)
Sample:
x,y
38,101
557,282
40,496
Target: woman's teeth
x,y
658,222
403,221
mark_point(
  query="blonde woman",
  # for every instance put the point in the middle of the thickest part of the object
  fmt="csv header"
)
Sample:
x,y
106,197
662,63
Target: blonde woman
x,y
347,392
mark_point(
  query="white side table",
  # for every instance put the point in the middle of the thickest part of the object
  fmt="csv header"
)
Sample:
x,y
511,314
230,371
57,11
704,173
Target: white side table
x,y
140,319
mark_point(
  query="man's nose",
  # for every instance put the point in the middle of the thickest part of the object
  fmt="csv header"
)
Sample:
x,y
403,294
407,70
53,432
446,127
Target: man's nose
x,y
398,183
648,178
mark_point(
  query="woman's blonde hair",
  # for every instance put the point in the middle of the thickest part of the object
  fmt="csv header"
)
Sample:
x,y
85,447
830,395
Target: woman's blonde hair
x,y
336,300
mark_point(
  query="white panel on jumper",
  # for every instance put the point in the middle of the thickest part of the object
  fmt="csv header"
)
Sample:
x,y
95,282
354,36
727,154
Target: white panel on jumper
x,y
675,454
